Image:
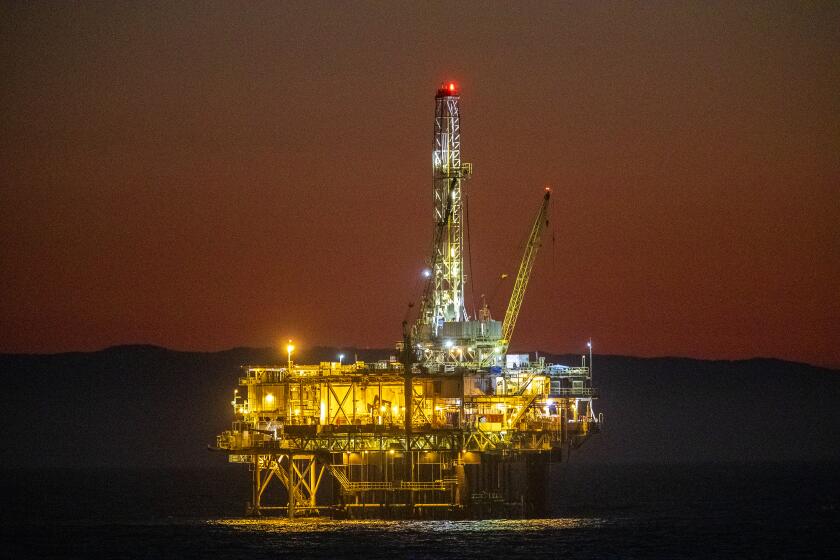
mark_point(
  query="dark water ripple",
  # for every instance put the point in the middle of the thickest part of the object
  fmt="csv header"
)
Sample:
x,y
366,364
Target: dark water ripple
x,y
732,511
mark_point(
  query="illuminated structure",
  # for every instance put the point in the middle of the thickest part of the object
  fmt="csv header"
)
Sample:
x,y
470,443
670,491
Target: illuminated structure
x,y
446,304
455,427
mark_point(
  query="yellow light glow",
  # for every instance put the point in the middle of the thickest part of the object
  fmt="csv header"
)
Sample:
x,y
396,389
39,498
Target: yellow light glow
x,y
290,347
297,412
395,410
382,408
269,399
391,452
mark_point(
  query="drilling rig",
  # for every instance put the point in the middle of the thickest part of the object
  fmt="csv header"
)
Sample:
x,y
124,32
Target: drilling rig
x,y
456,427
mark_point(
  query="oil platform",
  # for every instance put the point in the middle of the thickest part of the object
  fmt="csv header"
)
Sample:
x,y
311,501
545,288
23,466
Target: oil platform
x,y
454,427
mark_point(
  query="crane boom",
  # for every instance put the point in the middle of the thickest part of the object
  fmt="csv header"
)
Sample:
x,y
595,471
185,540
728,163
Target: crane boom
x,y
524,273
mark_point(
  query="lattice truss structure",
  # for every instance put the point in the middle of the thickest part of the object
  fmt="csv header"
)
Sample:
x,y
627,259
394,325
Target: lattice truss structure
x,y
449,173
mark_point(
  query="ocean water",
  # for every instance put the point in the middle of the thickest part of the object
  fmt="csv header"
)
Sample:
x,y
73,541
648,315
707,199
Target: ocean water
x,y
604,511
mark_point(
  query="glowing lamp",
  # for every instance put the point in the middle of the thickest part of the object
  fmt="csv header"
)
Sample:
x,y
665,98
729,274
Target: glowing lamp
x,y
289,348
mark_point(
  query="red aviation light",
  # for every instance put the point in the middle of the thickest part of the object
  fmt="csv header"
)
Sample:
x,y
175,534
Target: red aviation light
x,y
447,89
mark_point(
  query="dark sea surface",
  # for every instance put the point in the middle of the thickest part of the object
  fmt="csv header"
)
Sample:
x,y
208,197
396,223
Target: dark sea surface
x,y
604,511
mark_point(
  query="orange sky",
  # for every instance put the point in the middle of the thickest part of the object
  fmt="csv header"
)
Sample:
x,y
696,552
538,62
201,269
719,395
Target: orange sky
x,y
205,176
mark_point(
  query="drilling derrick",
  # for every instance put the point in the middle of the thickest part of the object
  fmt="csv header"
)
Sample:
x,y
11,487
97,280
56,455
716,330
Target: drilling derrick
x,y
444,332
447,303
456,428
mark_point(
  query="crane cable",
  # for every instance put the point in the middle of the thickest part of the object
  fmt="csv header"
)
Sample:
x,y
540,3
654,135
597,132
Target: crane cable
x,y
469,251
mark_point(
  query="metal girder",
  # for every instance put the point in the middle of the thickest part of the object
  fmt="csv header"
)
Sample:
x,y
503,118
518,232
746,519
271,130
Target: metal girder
x,y
340,403
524,274
523,410
301,478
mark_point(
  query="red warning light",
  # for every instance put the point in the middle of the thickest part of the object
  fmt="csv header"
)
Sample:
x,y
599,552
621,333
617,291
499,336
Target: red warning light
x,y
447,89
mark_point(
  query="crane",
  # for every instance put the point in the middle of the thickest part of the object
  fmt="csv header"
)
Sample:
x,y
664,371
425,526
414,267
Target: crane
x,y
524,273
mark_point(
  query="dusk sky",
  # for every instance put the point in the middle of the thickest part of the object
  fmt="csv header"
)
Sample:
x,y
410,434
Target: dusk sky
x,y
208,175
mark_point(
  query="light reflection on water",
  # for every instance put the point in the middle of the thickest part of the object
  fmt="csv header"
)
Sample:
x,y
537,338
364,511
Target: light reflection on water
x,y
320,525
373,539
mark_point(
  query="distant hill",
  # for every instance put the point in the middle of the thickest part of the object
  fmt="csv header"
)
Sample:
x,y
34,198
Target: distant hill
x,y
152,407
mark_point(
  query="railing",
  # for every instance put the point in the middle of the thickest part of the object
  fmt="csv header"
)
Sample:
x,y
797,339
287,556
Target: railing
x,y
370,486
352,486
436,485
574,392
263,375
340,476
